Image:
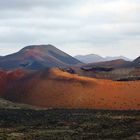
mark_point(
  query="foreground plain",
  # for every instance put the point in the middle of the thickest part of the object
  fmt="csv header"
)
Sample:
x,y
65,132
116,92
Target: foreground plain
x,y
62,124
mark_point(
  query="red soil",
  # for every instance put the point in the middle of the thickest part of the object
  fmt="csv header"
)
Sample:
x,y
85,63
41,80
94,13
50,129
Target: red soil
x,y
7,77
59,89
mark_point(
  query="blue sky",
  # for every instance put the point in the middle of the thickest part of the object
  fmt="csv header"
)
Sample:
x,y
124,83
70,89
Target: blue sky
x,y
104,27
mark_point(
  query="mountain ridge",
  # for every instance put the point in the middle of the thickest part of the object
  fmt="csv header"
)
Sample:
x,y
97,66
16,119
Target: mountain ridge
x,y
92,58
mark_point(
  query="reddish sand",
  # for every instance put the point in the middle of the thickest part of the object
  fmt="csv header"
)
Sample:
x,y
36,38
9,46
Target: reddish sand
x,y
59,89
8,77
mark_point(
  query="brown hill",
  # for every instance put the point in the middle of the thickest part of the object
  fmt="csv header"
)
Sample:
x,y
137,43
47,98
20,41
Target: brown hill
x,y
113,70
37,57
113,63
57,89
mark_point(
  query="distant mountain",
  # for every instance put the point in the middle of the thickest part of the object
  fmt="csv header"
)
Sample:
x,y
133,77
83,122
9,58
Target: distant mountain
x,y
37,57
92,58
108,58
113,63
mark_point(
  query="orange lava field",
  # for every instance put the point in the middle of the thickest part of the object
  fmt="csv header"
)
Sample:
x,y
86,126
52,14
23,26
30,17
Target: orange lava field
x,y
57,89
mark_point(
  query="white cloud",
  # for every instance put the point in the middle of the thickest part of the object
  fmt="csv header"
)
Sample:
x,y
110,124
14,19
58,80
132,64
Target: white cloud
x,y
107,27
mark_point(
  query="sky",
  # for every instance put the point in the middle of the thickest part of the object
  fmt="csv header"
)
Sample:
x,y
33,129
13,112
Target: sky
x,y
104,27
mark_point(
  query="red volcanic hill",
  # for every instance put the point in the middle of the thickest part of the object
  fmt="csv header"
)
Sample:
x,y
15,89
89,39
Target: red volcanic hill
x,y
53,88
37,57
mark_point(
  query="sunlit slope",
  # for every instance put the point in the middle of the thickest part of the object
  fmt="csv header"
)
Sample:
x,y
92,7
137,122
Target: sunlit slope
x,y
57,89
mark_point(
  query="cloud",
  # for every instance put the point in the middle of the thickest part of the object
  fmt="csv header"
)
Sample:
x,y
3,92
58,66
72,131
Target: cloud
x,y
77,27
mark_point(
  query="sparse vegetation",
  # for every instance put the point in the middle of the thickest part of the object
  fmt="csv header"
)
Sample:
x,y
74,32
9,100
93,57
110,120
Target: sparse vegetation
x,y
61,124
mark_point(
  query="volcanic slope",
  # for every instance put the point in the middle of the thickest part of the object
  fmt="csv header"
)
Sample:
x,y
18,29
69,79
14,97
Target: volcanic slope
x,y
54,88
